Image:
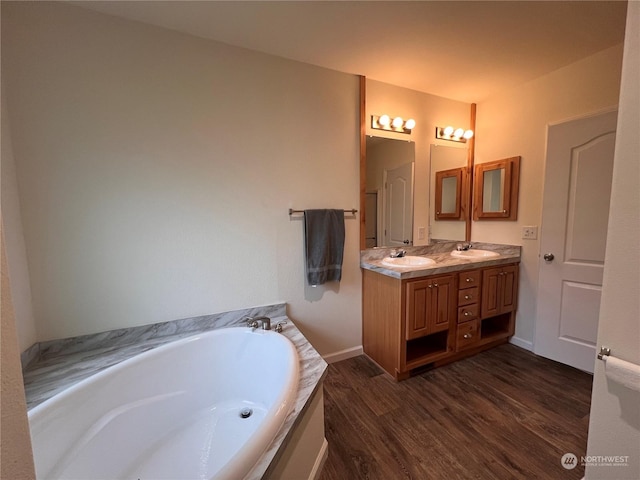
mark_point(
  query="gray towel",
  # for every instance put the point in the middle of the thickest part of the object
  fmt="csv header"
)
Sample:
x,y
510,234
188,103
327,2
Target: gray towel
x,y
324,245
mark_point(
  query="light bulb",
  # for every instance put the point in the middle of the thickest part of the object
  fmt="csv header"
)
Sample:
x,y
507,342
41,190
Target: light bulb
x,y
448,131
384,120
458,133
410,124
468,134
397,122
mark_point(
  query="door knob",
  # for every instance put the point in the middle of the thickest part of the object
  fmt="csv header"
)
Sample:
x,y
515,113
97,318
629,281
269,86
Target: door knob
x,y
406,242
548,257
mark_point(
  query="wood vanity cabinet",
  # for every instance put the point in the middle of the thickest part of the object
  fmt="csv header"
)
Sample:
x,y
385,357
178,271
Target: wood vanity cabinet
x,y
433,320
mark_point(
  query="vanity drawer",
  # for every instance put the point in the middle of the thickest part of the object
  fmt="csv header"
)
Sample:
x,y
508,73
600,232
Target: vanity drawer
x,y
468,312
469,279
468,296
467,334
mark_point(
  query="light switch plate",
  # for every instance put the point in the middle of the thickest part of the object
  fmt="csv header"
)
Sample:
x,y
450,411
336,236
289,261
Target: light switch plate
x,y
421,232
530,233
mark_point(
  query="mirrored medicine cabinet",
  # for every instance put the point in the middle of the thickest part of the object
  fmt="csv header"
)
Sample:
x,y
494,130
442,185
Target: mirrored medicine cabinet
x,y
495,190
448,190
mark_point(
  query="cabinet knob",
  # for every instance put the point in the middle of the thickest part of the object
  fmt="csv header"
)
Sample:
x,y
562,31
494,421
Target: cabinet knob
x,y
467,297
469,279
467,335
430,286
466,314
435,285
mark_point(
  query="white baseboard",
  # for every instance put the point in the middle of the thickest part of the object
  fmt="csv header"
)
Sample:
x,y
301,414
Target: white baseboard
x,y
519,342
343,354
320,459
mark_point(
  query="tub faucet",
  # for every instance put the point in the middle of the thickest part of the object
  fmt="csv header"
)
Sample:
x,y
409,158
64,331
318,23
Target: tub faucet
x,y
463,247
255,322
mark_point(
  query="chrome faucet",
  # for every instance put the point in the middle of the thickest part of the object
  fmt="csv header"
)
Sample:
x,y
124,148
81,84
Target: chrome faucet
x,y
463,247
398,253
255,322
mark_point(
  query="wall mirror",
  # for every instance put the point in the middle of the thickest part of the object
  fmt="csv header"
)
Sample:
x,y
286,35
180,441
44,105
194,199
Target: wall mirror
x,y
495,190
389,192
416,222
449,193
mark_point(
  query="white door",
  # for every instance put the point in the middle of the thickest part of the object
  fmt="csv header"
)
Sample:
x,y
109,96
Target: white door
x,y
575,213
398,210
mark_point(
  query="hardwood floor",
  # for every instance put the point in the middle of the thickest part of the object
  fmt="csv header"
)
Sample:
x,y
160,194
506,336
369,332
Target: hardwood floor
x,y
502,414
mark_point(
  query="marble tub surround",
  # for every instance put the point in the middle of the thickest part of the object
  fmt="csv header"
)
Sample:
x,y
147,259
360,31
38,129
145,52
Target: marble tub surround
x,y
62,363
52,366
130,336
440,252
60,368
29,355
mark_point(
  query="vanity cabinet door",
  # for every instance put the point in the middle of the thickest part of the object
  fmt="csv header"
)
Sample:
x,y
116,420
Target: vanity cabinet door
x,y
431,304
509,292
499,290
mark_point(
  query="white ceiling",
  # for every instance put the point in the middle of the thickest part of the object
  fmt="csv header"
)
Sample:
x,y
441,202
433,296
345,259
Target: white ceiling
x,y
464,50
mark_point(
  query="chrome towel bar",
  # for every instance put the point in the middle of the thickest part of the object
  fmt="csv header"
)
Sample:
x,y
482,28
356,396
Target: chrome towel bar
x,y
620,371
352,211
604,351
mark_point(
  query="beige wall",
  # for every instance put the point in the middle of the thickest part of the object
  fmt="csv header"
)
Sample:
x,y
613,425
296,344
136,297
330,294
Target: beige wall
x,y
515,123
16,460
14,240
614,427
156,169
428,111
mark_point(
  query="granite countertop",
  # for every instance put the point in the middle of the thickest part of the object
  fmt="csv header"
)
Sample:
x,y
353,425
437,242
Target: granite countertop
x,y
60,367
441,254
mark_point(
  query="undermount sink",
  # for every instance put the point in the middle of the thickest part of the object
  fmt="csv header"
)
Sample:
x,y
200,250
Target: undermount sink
x,y
407,261
474,253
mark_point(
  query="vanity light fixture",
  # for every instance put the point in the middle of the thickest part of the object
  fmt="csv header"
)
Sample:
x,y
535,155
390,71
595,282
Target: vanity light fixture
x,y
453,134
397,124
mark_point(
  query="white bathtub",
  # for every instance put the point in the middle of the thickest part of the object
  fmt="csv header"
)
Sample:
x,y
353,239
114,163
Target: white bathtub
x,y
171,413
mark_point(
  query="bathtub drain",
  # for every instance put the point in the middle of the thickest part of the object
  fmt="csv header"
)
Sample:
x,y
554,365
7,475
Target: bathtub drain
x,y
246,413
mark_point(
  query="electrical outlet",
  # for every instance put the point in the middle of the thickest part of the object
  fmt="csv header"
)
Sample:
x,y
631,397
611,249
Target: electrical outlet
x,y
530,233
421,233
